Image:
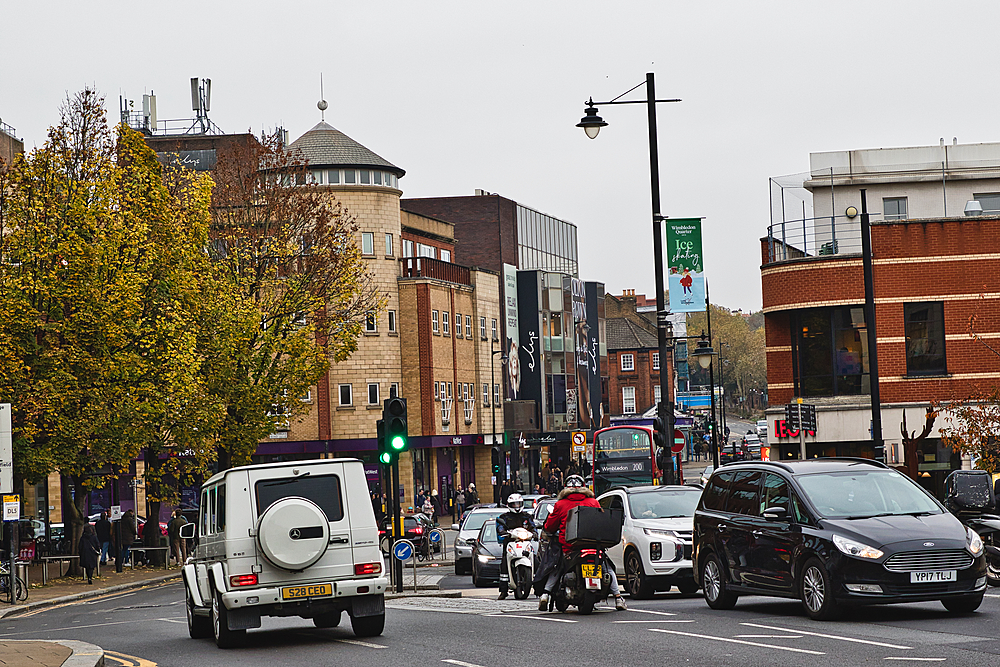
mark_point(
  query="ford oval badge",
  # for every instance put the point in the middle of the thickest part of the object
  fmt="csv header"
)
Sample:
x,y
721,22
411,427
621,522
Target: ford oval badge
x,y
928,544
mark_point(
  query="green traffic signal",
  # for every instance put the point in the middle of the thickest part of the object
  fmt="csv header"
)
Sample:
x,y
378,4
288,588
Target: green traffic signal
x,y
398,443
385,457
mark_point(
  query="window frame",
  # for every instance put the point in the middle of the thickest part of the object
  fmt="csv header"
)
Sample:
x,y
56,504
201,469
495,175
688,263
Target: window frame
x,y
655,361
897,215
445,323
371,322
340,395
627,356
628,394
388,245
468,327
496,330
486,395
458,325
435,322
377,396
942,340
482,328
368,237
391,320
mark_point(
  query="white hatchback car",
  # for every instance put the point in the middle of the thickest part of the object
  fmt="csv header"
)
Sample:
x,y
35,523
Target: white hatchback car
x,y
285,539
655,551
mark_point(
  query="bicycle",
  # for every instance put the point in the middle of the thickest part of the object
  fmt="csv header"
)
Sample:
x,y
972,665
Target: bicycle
x,y
20,588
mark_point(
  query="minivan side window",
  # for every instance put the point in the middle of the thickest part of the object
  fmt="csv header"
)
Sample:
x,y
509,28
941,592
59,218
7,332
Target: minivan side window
x,y
744,493
775,492
715,494
799,511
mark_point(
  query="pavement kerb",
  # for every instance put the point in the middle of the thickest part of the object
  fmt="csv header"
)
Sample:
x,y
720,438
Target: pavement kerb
x,y
83,654
31,606
424,594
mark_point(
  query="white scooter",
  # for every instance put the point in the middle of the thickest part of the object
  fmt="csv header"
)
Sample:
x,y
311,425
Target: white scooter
x,y
519,562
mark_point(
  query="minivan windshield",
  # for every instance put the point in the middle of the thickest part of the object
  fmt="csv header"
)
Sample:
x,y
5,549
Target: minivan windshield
x,y
865,493
475,520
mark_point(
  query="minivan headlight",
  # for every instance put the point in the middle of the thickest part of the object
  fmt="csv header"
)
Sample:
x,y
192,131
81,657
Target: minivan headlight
x,y
973,542
459,542
856,549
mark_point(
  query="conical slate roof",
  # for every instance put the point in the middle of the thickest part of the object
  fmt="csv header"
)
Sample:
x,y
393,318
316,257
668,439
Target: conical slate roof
x,y
326,146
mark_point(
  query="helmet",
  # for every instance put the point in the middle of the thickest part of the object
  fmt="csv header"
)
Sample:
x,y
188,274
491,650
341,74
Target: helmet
x,y
574,481
515,501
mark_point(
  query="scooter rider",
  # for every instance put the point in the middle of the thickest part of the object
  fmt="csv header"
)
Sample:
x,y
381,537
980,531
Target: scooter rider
x,y
514,517
575,494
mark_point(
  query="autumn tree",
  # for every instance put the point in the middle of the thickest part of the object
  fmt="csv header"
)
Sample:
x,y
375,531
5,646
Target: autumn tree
x,y
297,290
741,360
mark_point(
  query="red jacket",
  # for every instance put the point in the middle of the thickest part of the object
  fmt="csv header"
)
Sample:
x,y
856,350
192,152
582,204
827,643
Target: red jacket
x,y
568,499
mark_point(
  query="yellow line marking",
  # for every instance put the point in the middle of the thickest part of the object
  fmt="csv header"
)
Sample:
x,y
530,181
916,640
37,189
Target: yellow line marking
x,y
128,660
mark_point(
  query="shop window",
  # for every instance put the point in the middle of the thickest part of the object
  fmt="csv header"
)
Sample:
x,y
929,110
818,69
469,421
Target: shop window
x,y
830,352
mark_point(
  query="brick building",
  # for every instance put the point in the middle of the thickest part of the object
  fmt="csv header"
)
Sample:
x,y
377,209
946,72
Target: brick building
x,y
633,367
934,272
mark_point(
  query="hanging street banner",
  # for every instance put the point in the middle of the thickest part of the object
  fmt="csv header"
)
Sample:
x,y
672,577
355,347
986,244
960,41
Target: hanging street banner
x,y
6,451
685,270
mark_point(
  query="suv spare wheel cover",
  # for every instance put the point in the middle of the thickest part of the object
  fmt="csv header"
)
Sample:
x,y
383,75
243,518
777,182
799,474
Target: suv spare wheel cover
x,y
293,533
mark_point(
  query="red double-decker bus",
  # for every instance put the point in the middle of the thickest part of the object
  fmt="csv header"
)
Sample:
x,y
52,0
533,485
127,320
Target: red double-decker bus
x,y
624,456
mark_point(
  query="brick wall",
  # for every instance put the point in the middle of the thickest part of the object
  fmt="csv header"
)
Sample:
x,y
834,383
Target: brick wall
x,y
485,226
643,378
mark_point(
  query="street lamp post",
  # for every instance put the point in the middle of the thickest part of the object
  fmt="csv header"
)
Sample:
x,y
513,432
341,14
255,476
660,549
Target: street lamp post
x,y
592,124
493,411
704,354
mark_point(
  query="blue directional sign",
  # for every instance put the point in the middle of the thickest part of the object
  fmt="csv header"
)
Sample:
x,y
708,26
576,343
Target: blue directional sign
x,y
435,536
402,550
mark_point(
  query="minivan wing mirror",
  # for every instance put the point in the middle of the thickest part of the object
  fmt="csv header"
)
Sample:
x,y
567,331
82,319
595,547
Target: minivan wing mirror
x,y
776,513
187,531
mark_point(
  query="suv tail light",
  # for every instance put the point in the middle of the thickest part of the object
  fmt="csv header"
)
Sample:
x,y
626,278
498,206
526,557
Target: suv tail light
x,y
418,530
367,568
238,580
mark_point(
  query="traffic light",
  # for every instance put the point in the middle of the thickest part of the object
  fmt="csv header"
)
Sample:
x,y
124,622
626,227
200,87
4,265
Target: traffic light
x,y
397,438
659,441
384,455
497,454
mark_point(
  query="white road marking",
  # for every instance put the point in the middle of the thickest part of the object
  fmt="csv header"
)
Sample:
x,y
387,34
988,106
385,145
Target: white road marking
x,y
769,636
919,659
650,611
536,618
460,663
990,595
173,620
658,621
74,627
825,636
358,642
737,641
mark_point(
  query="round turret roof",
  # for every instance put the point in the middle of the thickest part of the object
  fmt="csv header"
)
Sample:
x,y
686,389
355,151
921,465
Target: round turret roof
x,y
326,146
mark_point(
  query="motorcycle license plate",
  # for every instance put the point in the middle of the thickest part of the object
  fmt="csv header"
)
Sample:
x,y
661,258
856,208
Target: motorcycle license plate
x,y
591,571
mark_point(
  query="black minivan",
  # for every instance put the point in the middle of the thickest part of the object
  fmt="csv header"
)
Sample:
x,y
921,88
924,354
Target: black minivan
x,y
832,532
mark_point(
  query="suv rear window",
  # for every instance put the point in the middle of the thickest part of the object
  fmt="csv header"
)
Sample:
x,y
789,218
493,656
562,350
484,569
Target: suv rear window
x,y
715,493
324,490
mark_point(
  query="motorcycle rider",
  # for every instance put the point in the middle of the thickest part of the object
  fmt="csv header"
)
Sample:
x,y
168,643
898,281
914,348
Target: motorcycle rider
x,y
575,494
514,517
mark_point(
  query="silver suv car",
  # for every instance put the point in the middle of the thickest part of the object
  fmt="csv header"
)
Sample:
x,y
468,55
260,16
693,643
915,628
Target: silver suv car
x,y
285,539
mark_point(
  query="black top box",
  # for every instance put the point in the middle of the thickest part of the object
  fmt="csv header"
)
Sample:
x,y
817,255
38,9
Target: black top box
x,y
592,527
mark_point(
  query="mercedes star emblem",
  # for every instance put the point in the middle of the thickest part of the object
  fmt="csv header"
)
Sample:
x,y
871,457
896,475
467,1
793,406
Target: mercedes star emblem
x,y
294,534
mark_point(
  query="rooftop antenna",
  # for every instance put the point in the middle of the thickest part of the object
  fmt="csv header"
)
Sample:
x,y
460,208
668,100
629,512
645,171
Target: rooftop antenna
x,y
321,105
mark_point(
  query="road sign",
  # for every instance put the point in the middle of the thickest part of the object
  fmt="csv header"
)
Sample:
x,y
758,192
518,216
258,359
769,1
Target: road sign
x,y
579,449
678,445
11,508
116,512
579,438
435,536
403,550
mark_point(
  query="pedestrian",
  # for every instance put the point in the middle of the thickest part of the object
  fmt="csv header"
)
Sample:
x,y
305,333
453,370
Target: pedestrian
x,y
428,508
128,536
697,450
472,495
89,551
177,546
419,500
436,504
151,534
103,530
460,501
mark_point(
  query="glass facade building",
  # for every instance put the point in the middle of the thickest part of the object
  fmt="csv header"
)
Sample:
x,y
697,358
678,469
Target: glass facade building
x,y
545,243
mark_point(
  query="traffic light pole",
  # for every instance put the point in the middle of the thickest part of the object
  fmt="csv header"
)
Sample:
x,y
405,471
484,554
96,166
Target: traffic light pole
x,y
397,565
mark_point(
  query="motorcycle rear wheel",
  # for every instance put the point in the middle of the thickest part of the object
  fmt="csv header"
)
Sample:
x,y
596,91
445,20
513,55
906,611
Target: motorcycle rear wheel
x,y
586,605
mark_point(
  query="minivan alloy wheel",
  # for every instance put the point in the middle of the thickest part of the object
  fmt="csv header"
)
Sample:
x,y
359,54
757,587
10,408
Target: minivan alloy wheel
x,y
813,589
712,583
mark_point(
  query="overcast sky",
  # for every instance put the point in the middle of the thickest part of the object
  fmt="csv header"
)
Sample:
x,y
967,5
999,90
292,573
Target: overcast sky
x,y
466,95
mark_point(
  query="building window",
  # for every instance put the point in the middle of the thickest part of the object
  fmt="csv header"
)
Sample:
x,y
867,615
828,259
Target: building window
x,y
458,325
424,250
391,318
656,361
656,395
496,394
468,326
628,400
367,243
345,395
628,362
407,248
925,338
437,397
442,394
373,393
371,322
445,327
482,328
495,335
830,352
307,397
894,208
445,255
434,322
449,390
486,395
394,389
350,176
990,201
388,245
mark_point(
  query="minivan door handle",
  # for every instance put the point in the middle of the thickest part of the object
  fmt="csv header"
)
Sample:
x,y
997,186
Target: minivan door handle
x,y
722,526
756,533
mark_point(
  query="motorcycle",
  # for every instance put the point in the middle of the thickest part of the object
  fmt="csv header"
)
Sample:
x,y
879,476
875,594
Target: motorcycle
x,y
585,578
970,495
519,562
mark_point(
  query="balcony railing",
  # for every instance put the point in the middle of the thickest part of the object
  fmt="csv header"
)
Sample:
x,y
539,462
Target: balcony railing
x,y
425,267
813,237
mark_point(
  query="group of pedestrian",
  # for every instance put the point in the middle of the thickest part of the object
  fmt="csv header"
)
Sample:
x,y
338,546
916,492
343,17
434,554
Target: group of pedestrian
x,y
98,540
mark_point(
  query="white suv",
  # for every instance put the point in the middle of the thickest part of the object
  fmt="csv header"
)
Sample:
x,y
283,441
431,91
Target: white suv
x,y
285,539
655,551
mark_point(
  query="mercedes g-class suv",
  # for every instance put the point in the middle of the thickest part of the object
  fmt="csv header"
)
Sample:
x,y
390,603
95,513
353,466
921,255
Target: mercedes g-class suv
x,y
285,539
